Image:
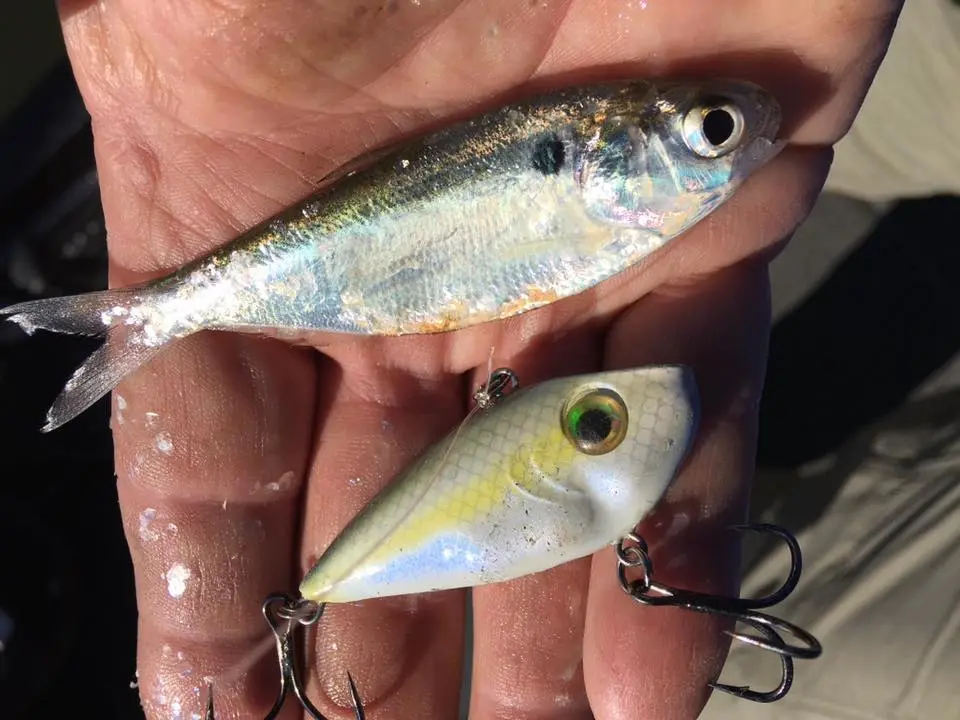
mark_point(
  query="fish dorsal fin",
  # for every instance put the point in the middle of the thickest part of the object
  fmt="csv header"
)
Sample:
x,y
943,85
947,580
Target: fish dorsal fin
x,y
358,164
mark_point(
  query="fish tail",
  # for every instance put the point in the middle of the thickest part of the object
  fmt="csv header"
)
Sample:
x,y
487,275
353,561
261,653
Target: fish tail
x,y
73,314
106,314
121,354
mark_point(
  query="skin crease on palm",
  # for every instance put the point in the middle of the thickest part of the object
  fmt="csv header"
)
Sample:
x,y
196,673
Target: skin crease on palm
x,y
210,115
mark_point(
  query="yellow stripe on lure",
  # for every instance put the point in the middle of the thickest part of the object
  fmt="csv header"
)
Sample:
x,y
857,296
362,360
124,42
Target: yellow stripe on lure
x,y
549,474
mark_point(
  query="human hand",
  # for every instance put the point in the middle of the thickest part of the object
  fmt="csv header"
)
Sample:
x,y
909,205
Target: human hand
x,y
211,116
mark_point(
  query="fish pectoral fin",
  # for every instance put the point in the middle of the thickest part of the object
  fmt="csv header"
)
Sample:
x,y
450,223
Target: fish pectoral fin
x,y
358,164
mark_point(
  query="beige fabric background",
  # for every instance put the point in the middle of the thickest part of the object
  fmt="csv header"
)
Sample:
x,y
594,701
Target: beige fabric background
x,y
881,582
906,140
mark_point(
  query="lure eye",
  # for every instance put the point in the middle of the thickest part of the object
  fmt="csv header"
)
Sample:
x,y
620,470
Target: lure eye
x,y
713,129
596,422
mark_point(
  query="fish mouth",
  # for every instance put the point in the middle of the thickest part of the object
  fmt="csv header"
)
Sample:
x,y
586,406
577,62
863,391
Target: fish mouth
x,y
769,125
758,153
763,145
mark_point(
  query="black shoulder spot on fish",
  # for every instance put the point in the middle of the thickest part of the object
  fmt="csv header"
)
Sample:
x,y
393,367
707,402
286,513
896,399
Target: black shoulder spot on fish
x,y
548,155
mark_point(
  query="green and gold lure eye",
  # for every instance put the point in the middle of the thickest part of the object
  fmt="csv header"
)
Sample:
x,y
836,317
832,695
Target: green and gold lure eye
x,y
596,421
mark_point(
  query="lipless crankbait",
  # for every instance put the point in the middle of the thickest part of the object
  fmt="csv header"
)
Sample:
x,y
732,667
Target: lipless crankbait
x,y
484,220
549,474
535,478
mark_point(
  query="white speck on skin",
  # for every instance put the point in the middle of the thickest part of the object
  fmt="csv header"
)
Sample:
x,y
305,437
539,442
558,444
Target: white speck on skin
x,y
285,482
563,700
151,419
147,533
163,697
137,465
121,406
570,672
224,506
353,482
186,671
412,604
177,577
679,523
164,443
626,14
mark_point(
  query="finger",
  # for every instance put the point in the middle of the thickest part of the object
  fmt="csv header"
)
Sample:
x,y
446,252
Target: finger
x,y
528,633
656,662
817,58
211,447
405,653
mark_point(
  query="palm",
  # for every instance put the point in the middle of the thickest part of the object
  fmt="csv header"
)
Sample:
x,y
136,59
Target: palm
x,y
210,116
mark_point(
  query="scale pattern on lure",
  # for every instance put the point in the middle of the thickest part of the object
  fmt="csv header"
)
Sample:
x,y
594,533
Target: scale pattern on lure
x,y
486,219
549,474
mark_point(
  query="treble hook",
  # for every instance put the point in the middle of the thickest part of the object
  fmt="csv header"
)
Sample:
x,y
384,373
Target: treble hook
x,y
294,613
646,591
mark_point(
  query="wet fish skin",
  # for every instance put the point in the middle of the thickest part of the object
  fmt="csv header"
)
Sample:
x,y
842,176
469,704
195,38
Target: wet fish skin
x,y
511,495
486,219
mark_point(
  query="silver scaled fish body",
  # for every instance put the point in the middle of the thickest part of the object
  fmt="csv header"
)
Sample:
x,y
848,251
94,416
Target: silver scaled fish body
x,y
549,474
483,220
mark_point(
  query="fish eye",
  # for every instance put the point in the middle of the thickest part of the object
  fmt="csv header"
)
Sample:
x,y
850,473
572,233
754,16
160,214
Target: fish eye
x,y
713,129
596,421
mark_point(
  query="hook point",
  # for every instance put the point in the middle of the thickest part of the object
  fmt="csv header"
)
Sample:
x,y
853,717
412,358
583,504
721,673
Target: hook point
x,y
208,713
358,711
